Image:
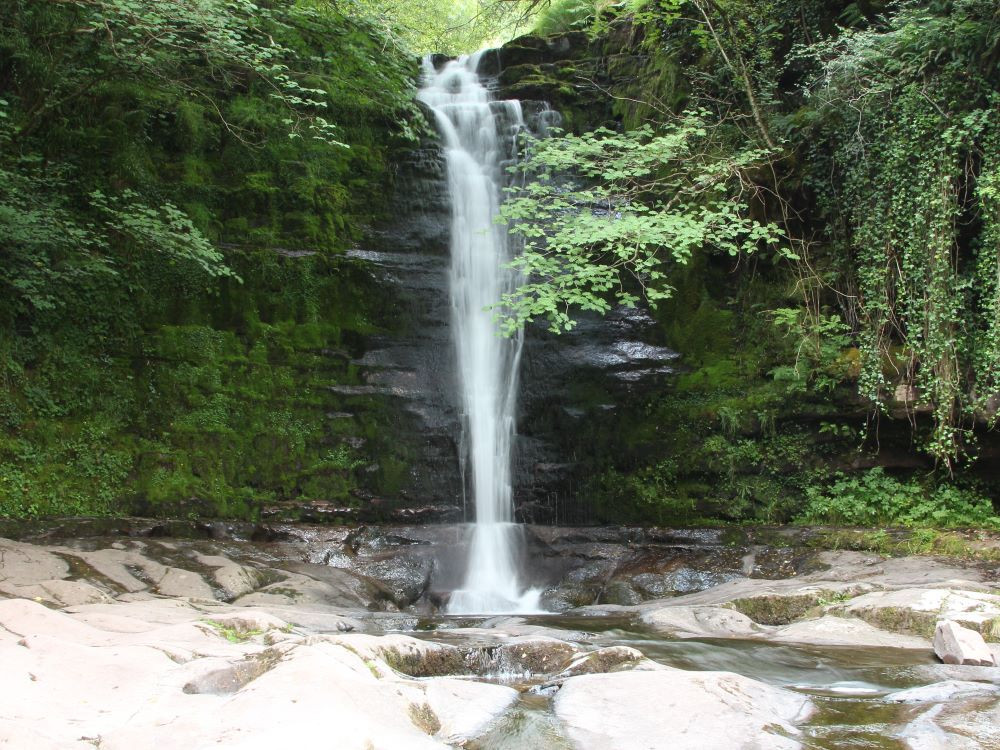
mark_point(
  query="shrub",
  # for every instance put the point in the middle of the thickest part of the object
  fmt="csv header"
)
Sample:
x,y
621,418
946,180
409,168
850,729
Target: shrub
x,y
877,499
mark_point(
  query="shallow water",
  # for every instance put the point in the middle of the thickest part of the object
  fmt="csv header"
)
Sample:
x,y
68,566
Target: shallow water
x,y
846,684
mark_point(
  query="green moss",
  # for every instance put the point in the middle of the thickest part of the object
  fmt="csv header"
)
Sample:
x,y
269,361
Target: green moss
x,y
424,718
775,609
430,663
899,620
211,420
233,634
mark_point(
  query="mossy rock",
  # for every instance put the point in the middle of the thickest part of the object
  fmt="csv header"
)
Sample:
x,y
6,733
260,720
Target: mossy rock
x,y
776,609
436,662
424,718
902,620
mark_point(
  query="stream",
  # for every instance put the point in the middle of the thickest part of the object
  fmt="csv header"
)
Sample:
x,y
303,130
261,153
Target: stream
x,y
846,684
371,585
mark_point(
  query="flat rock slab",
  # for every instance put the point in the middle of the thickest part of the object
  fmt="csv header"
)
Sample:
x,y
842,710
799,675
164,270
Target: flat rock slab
x,y
670,709
917,610
174,681
941,691
830,630
967,721
701,622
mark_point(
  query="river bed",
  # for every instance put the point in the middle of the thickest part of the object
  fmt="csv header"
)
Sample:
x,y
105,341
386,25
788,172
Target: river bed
x,y
846,684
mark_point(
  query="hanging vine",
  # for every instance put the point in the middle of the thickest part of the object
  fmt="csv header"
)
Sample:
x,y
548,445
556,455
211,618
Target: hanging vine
x,y
910,115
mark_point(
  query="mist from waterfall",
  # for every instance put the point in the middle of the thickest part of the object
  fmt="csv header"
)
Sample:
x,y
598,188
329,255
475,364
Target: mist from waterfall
x,y
478,135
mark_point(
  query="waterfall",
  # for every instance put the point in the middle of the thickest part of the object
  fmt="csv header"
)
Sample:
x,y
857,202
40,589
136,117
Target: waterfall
x,y
478,135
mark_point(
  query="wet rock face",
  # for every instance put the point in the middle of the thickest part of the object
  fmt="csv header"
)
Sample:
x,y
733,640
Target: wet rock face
x,y
575,387
378,568
407,373
624,566
572,386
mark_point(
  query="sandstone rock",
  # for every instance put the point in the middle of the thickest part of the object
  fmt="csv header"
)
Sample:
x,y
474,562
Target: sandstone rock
x,y
465,709
250,621
776,609
677,710
603,660
237,580
16,736
23,564
941,691
682,580
566,597
300,591
23,618
62,593
411,656
320,690
700,622
403,580
844,631
924,734
229,677
121,566
620,592
332,585
80,682
524,656
969,722
917,610
940,672
180,583
954,644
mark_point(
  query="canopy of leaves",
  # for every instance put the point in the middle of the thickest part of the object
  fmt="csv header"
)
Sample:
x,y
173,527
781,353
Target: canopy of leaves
x,y
605,215
868,132
454,27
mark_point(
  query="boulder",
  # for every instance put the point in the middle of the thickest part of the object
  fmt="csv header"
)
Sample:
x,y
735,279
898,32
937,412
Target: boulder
x,y
954,644
701,622
523,656
237,580
403,579
620,592
465,709
678,710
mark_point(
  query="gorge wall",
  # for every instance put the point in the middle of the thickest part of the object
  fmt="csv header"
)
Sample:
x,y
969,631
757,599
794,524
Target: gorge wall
x,y
319,385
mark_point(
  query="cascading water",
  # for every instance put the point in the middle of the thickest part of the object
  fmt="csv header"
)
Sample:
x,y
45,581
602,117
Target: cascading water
x,y
472,126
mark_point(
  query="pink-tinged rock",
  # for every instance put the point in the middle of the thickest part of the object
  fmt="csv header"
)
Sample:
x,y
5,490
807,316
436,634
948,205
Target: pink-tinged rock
x,y
672,709
957,645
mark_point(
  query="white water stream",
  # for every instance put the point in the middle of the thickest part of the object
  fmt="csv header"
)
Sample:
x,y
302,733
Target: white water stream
x,y
476,131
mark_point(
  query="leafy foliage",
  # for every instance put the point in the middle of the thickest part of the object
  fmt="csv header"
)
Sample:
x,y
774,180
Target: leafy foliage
x,y
910,107
598,209
453,27
878,499
154,156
